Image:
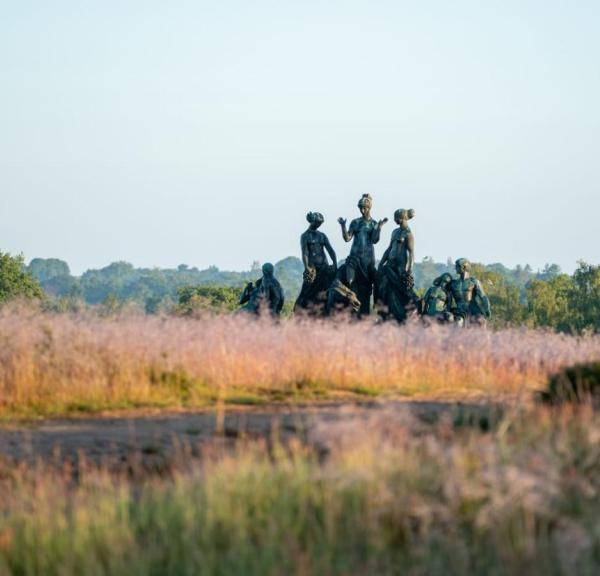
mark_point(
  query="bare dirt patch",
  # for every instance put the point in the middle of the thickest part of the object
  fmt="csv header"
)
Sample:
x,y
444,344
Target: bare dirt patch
x,y
154,439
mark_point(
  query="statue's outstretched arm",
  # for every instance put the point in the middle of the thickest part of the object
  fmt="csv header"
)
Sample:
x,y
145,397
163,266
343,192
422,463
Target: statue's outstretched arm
x,y
246,293
346,234
376,234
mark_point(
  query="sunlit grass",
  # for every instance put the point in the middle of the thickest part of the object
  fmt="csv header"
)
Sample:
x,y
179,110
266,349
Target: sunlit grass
x,y
61,364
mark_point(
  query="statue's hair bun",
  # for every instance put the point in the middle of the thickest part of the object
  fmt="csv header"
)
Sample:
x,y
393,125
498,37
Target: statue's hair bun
x,y
401,212
313,217
366,200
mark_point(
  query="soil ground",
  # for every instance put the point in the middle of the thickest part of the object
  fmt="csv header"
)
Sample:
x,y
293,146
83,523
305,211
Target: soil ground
x,y
154,439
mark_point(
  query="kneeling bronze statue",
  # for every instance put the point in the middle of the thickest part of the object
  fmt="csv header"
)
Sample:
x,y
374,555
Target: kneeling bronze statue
x,y
266,294
437,302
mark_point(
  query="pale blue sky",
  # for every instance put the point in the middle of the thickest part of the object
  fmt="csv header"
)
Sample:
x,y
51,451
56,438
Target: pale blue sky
x,y
202,132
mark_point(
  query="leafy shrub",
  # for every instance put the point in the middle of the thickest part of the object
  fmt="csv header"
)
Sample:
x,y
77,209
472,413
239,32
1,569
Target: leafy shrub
x,y
574,384
194,299
15,282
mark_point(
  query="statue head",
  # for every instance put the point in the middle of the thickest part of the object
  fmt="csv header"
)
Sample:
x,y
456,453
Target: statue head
x,y
268,269
402,216
462,266
443,280
315,219
365,204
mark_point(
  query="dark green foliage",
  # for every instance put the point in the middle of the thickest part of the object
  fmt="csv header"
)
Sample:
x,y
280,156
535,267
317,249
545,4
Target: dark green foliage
x,y
505,296
574,384
43,269
548,303
586,297
518,296
15,281
194,299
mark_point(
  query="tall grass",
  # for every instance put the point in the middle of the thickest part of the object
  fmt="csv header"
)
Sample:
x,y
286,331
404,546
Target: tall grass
x,y
523,499
53,364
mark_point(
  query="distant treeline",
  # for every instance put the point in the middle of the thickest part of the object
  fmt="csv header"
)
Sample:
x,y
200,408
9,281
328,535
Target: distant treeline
x,y
519,296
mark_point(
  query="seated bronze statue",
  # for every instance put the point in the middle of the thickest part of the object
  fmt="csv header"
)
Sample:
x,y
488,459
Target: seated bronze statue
x,y
437,302
471,304
340,297
266,294
318,274
394,295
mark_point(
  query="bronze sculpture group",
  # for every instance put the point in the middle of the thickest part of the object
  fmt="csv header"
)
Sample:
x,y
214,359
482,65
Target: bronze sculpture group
x,y
328,289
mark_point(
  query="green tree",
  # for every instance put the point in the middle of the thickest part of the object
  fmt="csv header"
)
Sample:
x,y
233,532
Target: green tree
x,y
15,281
585,299
549,303
44,269
505,297
193,299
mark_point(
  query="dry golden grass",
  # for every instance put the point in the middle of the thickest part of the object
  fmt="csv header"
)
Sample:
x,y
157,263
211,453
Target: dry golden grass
x,y
57,364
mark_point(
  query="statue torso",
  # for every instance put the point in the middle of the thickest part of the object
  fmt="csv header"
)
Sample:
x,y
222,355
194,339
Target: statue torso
x,y
315,243
399,247
362,246
462,291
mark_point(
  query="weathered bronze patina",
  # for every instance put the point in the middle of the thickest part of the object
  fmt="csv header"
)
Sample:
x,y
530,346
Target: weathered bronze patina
x,y
266,294
340,297
395,295
359,271
437,302
318,274
471,304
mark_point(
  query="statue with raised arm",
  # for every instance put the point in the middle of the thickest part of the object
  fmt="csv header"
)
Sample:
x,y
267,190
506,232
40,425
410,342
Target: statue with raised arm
x,y
318,274
266,294
437,302
395,295
471,304
359,272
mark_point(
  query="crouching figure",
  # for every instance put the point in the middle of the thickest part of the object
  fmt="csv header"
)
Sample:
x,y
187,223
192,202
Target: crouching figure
x,y
266,294
437,302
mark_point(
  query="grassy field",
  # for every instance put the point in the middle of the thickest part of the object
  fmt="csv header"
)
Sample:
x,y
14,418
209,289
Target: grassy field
x,y
390,497
60,364
518,493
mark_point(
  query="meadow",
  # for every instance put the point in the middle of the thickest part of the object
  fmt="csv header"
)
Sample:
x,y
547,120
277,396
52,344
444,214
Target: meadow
x,y
392,494
390,497
57,364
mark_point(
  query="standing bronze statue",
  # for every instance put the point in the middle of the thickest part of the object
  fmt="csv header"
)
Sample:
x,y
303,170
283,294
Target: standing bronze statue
x,y
266,294
318,274
471,304
359,271
395,294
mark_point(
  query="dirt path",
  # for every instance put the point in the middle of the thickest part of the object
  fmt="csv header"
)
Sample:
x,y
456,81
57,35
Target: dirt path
x,y
156,438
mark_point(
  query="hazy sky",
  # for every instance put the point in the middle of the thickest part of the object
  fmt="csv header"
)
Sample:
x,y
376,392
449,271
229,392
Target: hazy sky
x,y
201,132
